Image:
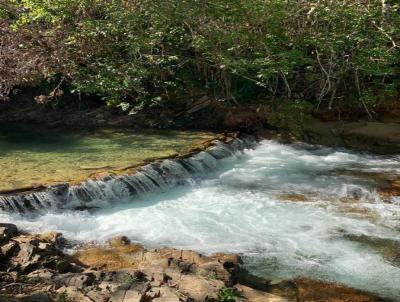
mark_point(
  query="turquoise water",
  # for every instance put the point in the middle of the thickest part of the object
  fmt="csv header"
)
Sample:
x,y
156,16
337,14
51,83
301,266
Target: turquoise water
x,y
33,155
340,230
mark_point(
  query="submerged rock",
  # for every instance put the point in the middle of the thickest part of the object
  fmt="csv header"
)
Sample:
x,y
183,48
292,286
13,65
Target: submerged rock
x,y
390,191
294,197
159,175
387,247
318,291
382,138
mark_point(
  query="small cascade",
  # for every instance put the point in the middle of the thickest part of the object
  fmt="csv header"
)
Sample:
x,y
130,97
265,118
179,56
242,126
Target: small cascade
x,y
155,177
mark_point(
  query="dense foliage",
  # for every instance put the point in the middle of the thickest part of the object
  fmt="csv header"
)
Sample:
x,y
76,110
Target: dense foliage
x,y
134,52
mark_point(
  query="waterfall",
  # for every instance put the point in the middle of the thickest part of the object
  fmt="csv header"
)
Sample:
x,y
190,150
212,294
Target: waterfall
x,y
158,176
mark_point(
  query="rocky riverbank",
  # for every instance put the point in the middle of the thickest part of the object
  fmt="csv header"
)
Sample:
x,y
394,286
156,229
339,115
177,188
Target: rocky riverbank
x,y
35,268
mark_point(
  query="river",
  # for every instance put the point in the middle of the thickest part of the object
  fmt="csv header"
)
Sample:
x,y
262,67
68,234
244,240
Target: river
x,y
289,210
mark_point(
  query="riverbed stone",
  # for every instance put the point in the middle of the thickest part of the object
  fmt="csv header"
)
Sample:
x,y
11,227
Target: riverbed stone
x,y
253,295
36,297
318,291
127,295
71,293
382,138
9,249
119,241
42,274
166,294
73,280
98,295
199,289
8,229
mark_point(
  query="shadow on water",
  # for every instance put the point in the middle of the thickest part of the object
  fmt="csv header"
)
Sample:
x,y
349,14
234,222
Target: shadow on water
x,y
41,139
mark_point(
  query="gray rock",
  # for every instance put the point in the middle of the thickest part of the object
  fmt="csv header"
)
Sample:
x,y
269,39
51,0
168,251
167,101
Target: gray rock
x,y
98,296
9,229
36,297
74,280
9,249
26,253
62,266
126,296
199,289
30,265
43,274
166,294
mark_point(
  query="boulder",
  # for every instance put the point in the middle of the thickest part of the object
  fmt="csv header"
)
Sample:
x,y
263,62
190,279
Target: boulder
x,y
165,294
253,295
71,294
8,229
9,249
128,295
36,297
98,295
52,237
73,280
42,274
199,289
119,241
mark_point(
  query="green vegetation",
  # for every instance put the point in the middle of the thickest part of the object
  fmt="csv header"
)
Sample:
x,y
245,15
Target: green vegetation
x,y
292,115
135,53
228,294
64,297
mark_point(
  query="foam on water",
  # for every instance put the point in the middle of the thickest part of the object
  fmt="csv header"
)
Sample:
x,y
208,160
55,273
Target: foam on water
x,y
238,209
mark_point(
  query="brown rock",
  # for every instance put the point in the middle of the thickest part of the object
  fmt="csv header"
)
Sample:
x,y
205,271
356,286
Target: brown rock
x,y
42,274
71,294
166,294
52,237
98,295
119,241
199,289
214,270
9,249
26,253
73,280
293,197
27,239
318,291
128,295
100,175
109,259
254,295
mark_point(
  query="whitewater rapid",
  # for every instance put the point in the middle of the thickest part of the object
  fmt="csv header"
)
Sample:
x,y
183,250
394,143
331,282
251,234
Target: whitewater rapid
x,y
240,207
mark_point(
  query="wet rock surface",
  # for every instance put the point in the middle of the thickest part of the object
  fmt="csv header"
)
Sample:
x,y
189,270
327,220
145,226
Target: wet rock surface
x,y
377,137
35,268
154,174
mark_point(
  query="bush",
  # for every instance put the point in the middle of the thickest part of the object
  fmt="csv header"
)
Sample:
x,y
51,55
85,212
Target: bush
x,y
292,116
228,294
140,51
